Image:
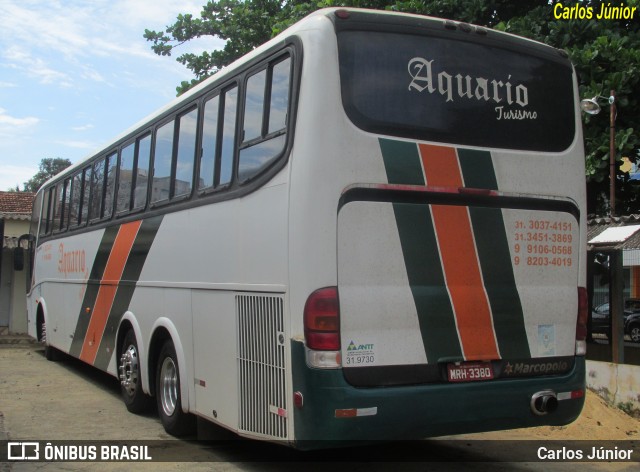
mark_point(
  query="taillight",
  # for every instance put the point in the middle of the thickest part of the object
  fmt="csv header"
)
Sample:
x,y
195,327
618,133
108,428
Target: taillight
x,y
321,320
581,324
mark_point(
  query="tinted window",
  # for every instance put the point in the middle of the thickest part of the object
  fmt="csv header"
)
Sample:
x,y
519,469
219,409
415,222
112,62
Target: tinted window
x,y
188,124
76,198
209,143
162,163
142,172
125,178
86,194
46,201
254,106
279,102
228,135
97,190
58,206
265,114
110,185
457,92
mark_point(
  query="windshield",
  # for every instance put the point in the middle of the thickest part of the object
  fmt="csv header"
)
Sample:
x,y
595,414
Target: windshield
x,y
457,92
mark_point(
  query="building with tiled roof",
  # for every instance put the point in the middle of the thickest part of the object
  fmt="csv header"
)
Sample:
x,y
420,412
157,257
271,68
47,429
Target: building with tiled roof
x,y
14,207
15,216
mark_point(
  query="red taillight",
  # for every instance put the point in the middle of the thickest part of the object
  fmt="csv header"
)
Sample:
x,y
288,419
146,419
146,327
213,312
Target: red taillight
x,y
583,314
321,320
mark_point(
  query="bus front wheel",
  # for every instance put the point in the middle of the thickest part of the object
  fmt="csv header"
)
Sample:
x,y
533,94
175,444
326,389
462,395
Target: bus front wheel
x,y
175,421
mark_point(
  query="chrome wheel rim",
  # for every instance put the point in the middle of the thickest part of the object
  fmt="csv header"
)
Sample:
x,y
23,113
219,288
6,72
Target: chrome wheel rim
x,y
129,370
635,334
168,386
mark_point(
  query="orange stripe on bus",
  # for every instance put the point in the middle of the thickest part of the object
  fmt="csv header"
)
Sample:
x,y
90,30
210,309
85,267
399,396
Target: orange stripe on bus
x,y
108,288
459,258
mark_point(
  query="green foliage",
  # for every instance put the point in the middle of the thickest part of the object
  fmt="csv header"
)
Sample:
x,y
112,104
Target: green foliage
x,y
606,55
48,168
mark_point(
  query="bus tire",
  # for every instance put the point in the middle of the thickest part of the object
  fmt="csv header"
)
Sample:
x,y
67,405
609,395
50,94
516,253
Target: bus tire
x,y
175,421
50,352
133,396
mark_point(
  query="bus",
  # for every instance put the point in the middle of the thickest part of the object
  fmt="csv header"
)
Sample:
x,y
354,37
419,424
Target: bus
x,y
372,227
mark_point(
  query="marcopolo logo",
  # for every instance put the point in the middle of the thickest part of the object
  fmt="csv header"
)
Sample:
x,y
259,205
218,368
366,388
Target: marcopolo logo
x,y
540,368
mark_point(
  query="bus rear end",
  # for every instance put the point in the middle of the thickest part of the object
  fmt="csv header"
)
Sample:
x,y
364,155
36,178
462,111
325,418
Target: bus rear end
x,y
458,303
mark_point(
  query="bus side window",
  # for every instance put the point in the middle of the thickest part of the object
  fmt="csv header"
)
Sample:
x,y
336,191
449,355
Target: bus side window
x,y
125,178
58,207
230,100
97,190
44,224
142,172
110,185
209,143
66,204
76,197
161,186
86,194
264,120
187,131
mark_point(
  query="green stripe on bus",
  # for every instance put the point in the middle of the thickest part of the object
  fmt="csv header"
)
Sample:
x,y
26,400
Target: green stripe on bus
x,y
402,162
421,255
92,288
495,258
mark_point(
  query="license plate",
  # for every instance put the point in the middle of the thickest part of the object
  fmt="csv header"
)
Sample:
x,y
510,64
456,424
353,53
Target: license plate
x,y
469,372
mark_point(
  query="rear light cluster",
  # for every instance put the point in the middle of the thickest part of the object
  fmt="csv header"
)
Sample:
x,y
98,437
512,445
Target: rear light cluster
x,y
322,328
581,324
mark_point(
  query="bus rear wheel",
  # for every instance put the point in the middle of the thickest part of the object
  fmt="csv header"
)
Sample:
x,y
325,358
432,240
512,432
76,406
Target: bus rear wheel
x,y
134,398
175,421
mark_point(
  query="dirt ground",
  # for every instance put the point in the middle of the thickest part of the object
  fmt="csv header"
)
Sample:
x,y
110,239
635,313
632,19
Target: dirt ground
x,y
598,421
69,400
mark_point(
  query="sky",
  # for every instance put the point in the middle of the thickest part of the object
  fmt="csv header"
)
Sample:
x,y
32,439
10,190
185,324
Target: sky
x,y
74,74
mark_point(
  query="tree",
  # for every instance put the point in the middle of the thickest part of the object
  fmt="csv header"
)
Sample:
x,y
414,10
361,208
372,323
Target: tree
x,y
48,168
606,54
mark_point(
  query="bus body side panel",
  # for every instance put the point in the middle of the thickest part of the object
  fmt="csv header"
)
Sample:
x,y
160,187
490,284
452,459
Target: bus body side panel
x,y
203,263
63,271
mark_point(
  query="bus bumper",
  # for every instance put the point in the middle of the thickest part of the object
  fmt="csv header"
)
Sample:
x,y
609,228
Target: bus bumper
x,y
334,413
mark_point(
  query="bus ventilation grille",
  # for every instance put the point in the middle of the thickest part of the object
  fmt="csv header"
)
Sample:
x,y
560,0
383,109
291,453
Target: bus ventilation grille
x,y
261,364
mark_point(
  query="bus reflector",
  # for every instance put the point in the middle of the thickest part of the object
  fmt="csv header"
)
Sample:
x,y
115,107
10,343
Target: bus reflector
x,y
581,324
354,412
321,320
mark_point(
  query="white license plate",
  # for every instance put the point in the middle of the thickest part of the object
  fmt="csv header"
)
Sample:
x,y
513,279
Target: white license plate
x,y
469,372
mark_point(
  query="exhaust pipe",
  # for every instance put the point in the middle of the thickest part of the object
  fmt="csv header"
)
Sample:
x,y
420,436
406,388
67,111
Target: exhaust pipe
x,y
544,402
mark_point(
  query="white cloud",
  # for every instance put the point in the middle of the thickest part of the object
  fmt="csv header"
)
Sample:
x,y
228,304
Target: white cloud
x,y
77,144
11,121
83,128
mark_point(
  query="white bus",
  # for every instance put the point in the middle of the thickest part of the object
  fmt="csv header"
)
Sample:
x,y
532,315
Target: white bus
x,y
372,227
